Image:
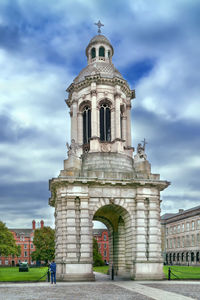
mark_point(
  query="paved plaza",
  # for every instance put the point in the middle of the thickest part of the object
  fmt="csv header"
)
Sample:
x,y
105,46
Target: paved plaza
x,y
103,288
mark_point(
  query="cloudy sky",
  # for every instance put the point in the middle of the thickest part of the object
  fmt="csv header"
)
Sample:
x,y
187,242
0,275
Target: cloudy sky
x,y
42,49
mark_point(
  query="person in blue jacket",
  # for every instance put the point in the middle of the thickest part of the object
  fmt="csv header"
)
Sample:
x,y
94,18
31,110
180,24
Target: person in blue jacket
x,y
53,272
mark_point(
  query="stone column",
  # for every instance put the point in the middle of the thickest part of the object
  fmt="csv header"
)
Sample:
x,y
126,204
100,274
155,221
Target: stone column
x,y
128,126
74,121
74,240
155,229
94,132
124,119
140,231
117,116
112,124
80,128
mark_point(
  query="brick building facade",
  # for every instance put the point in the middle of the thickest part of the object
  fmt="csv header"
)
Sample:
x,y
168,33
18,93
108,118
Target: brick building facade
x,y
101,235
181,237
24,238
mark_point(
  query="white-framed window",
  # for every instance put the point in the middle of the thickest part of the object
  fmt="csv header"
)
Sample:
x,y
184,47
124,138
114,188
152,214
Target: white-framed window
x,y
178,228
198,224
193,242
19,261
187,226
105,253
174,242
105,246
174,229
183,227
183,241
25,246
170,243
192,225
25,254
32,238
21,238
198,238
6,262
178,242
171,230
187,240
105,237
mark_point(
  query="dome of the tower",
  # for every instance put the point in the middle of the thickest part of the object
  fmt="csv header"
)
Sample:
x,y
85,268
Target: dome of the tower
x,y
106,70
99,39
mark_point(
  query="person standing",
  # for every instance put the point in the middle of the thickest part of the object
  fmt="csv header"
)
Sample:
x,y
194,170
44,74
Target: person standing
x,y
53,272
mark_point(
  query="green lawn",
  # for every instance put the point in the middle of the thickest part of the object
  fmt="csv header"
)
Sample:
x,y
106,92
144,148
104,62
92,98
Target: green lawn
x,y
102,269
13,274
182,272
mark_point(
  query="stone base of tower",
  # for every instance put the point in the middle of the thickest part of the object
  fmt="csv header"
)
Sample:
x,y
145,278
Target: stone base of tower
x,y
149,271
75,272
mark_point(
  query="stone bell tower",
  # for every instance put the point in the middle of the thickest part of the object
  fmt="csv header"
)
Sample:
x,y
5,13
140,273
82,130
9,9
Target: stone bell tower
x,y
102,181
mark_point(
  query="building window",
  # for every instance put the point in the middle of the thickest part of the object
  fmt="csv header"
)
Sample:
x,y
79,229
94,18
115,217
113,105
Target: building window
x,y
171,230
105,253
193,240
166,231
99,246
108,53
6,262
31,246
25,254
198,238
19,261
32,238
178,242
102,52
105,246
183,227
170,243
25,246
21,238
105,237
174,229
187,241
187,226
183,241
174,242
178,228
166,244
198,224
93,52
105,130
86,124
192,225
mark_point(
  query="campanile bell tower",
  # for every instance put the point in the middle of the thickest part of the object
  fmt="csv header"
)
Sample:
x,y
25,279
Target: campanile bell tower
x,y
101,179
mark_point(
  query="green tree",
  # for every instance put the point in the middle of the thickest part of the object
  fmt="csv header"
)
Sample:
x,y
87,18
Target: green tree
x,y
97,258
7,242
44,241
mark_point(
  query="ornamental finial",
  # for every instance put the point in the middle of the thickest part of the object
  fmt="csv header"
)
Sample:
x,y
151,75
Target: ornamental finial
x,y
99,24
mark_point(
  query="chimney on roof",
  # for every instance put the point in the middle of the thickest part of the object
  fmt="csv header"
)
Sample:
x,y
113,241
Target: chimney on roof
x,y
181,211
41,223
33,224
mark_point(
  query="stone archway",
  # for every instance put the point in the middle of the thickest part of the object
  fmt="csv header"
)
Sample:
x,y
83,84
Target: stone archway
x,y
118,221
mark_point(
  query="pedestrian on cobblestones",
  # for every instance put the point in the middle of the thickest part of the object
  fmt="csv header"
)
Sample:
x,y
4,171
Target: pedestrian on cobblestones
x,y
53,272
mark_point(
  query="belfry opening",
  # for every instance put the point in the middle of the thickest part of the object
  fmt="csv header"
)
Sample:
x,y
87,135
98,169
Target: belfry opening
x,y
105,179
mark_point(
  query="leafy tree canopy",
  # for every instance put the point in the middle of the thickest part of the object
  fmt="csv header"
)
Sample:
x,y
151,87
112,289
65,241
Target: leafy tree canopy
x,y
44,241
97,258
7,242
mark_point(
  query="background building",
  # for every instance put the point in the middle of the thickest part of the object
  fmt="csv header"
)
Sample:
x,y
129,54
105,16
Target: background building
x,y
24,238
181,237
101,235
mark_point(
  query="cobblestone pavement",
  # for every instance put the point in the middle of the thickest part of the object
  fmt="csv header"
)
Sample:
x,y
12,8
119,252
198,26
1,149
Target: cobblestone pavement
x,y
188,289
78,291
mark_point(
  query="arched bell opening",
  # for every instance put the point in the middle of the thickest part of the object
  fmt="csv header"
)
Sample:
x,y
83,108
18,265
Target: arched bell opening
x,y
118,222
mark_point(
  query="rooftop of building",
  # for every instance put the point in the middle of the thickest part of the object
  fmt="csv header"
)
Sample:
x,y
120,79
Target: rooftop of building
x,y
181,214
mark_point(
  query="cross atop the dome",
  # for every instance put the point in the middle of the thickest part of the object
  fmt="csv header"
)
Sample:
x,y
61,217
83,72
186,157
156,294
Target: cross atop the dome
x,y
99,24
